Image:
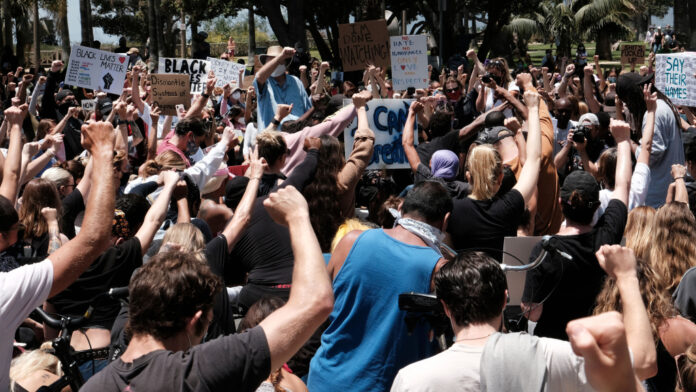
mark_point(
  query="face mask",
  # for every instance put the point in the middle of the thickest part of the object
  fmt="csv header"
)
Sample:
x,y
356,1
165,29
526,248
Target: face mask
x,y
278,71
240,120
562,120
63,107
611,79
236,95
454,96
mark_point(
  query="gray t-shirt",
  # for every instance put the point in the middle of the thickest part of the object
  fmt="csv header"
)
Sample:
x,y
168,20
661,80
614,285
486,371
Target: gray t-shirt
x,y
229,363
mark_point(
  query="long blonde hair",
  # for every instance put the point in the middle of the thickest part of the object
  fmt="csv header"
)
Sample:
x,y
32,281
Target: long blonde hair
x,y
638,230
485,168
32,361
188,237
673,247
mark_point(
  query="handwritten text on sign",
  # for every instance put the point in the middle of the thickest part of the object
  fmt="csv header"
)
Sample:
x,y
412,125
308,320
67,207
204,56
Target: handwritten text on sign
x,y
409,61
196,69
363,43
633,53
386,117
169,90
674,76
226,72
96,69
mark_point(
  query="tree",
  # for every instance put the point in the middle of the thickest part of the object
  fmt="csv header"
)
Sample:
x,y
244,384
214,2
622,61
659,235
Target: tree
x,y
86,22
292,32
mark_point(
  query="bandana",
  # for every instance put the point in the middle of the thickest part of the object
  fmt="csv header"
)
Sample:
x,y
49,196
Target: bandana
x,y
444,164
432,236
119,226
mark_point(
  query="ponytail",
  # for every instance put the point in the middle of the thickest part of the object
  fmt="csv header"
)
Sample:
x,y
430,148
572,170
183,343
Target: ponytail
x,y
485,167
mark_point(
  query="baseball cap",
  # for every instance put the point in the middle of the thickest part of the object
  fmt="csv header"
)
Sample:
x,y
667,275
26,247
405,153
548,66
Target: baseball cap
x,y
104,105
627,81
493,135
583,183
63,93
588,119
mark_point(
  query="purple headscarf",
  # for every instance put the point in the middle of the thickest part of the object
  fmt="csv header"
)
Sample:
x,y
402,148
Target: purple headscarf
x,y
444,164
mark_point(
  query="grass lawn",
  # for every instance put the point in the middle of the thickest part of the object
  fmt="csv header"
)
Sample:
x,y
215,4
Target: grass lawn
x,y
538,51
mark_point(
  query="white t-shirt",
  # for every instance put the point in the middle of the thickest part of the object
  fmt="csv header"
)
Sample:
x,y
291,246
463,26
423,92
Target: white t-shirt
x,y
458,369
640,181
491,103
21,290
560,134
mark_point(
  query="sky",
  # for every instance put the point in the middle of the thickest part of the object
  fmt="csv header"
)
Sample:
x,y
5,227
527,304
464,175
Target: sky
x,y
99,35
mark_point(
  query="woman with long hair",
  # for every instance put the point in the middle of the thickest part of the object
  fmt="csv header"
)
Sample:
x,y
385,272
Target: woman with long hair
x,y
497,75
331,194
638,232
673,246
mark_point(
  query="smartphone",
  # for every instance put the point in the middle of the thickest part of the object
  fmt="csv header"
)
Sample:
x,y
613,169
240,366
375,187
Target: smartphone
x,y
180,108
411,90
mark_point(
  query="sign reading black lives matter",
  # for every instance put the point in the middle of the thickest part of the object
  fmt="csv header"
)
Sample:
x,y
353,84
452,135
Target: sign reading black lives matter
x,y
196,69
96,69
363,43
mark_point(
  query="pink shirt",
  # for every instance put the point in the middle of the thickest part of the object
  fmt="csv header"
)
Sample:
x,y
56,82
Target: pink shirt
x,y
167,145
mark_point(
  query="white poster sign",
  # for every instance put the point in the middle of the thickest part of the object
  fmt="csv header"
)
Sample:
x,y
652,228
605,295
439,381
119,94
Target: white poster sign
x,y
674,76
196,69
226,71
96,69
409,61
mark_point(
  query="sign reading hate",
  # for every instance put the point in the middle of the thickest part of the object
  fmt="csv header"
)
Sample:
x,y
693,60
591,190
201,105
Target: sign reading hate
x,y
386,118
226,71
409,61
674,76
96,69
196,69
633,54
169,90
363,43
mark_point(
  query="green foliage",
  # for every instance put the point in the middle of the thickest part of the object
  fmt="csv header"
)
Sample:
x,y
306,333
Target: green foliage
x,y
221,28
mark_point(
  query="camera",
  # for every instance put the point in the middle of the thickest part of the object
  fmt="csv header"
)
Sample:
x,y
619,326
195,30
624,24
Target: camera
x,y
580,133
488,77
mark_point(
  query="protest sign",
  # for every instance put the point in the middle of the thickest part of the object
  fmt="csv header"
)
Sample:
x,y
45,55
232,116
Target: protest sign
x,y
674,76
225,71
363,43
96,69
196,69
169,90
409,61
633,53
386,118
89,104
517,248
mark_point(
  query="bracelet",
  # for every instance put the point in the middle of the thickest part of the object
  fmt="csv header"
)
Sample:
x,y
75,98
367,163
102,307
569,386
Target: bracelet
x,y
678,178
204,95
122,122
255,178
275,122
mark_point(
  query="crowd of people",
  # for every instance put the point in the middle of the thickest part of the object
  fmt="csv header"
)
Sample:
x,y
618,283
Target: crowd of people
x,y
259,256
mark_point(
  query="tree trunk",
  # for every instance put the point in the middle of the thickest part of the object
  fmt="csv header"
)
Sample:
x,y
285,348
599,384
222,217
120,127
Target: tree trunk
x,y
153,49
21,32
86,22
296,22
252,36
692,25
603,45
162,48
37,39
7,26
681,16
63,30
324,50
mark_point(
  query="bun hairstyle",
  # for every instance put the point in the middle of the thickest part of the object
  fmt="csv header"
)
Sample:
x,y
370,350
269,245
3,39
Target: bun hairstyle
x,y
166,160
485,168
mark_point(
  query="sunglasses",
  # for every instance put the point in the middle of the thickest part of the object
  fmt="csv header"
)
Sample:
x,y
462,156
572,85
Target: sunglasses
x,y
452,90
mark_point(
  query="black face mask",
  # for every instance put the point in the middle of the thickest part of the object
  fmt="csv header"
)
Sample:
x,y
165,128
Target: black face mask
x,y
63,107
562,119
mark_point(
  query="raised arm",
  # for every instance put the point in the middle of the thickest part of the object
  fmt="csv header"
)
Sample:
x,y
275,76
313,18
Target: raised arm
x,y
527,182
249,99
152,133
588,89
620,264
621,132
199,104
39,89
363,147
268,68
563,88
74,257
158,211
311,295
282,111
680,193
11,171
48,101
135,95
407,137
319,87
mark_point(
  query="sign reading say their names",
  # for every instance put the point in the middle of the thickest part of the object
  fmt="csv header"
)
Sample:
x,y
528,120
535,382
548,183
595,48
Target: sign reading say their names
x,y
363,43
226,71
196,69
386,118
96,69
632,53
674,76
169,90
409,61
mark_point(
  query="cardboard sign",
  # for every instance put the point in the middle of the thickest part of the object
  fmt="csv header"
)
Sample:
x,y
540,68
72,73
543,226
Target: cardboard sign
x,y
674,76
170,90
96,69
89,105
196,69
386,118
632,53
363,43
226,71
409,61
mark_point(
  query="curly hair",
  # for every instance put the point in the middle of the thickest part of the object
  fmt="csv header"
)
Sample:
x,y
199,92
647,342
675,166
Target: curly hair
x,y
673,249
322,193
638,230
38,193
657,303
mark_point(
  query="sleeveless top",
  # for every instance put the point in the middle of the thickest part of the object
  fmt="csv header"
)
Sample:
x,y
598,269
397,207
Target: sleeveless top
x,y
367,341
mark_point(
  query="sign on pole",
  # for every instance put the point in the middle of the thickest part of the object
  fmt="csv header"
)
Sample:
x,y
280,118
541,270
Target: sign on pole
x,y
674,76
386,118
226,71
89,105
96,69
363,43
632,54
169,90
409,61
196,69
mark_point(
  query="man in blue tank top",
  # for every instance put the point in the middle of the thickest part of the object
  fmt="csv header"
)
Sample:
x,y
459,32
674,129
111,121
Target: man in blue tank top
x,y
367,341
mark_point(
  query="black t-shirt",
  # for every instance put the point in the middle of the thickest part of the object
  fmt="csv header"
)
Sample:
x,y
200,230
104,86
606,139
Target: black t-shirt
x,y
448,141
456,189
465,109
73,204
112,269
568,289
477,224
230,363
216,252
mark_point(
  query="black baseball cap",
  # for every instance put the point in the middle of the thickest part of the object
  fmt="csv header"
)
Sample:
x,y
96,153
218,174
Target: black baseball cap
x,y
626,82
581,182
493,135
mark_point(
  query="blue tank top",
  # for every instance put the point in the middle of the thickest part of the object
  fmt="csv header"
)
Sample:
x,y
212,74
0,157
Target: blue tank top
x,y
367,341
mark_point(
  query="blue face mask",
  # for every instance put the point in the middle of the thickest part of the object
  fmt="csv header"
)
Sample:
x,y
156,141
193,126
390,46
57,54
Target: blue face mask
x,y
611,79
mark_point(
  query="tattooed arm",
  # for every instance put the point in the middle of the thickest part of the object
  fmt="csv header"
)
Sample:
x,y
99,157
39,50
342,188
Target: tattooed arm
x,y
54,241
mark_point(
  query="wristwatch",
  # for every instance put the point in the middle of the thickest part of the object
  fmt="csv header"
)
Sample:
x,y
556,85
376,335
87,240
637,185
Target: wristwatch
x,y
122,122
204,95
275,122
